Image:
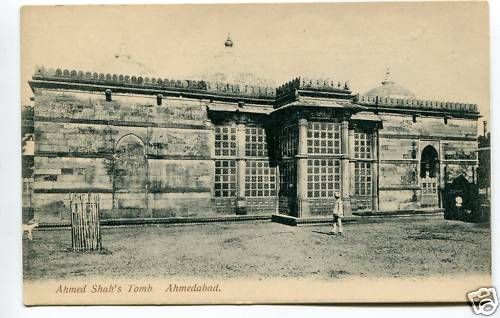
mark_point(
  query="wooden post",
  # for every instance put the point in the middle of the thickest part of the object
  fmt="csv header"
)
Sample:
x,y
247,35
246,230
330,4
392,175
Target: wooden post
x,y
85,227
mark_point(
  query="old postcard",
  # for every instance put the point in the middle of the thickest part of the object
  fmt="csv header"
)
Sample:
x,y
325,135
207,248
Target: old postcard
x,y
256,153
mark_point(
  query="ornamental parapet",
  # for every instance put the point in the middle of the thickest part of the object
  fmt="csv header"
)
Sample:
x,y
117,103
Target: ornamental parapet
x,y
74,76
312,84
411,103
286,93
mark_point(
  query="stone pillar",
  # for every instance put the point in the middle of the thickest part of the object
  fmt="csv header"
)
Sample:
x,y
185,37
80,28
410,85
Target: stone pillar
x,y
375,171
211,143
241,165
302,200
418,191
352,161
211,138
440,166
346,171
441,175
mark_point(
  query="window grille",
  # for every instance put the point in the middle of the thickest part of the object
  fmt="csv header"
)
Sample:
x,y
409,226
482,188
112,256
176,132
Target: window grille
x,y
256,144
225,178
287,178
260,179
289,140
323,138
323,178
362,178
362,145
225,141
429,185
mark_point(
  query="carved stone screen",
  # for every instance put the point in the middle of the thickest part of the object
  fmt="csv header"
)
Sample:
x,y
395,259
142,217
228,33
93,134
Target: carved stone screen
x,y
363,172
323,178
255,142
323,138
260,179
225,178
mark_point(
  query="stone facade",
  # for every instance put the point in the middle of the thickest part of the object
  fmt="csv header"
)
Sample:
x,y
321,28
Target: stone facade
x,y
163,148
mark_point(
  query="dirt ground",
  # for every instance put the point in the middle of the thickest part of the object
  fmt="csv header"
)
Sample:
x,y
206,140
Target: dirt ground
x,y
391,247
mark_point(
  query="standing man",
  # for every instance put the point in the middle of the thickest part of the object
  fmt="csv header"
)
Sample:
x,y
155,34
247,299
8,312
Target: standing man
x,y
338,214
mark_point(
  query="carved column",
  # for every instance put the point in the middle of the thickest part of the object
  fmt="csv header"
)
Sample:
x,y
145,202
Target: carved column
x,y
302,200
241,165
346,171
375,170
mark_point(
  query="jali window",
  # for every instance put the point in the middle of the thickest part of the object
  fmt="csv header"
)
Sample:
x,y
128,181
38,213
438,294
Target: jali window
x,y
362,178
260,179
362,145
289,140
323,138
225,178
225,141
429,185
323,178
256,144
287,178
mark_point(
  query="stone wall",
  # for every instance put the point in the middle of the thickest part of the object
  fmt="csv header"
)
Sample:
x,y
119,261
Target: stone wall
x,y
427,127
401,142
459,158
153,155
79,138
123,108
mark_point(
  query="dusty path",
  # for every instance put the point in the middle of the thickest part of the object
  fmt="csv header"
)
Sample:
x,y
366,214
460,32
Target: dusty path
x,y
396,247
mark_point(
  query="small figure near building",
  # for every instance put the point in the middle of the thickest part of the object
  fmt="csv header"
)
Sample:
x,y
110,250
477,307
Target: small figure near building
x,y
458,201
338,214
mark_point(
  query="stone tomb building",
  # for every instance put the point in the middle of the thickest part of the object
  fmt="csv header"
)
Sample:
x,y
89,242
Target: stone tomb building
x,y
160,148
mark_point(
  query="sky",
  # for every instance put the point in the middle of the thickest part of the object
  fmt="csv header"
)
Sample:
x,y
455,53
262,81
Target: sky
x,y
440,51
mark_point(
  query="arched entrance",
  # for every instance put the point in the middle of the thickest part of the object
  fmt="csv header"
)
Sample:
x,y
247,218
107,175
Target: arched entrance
x,y
130,177
429,177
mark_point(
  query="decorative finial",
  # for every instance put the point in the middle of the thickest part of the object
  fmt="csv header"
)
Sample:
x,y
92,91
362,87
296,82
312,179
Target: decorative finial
x,y
123,51
387,78
229,42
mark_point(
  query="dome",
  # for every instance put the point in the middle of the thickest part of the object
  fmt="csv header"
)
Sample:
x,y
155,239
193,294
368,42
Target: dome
x,y
123,63
390,89
232,67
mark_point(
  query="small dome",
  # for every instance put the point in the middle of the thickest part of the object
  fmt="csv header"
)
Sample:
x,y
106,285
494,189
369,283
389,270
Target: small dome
x,y
231,66
390,89
123,63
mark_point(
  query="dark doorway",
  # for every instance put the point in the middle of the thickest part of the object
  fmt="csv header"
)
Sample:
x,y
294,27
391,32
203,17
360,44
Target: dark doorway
x,y
429,181
461,201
